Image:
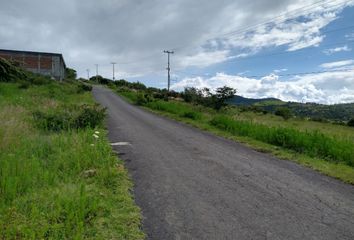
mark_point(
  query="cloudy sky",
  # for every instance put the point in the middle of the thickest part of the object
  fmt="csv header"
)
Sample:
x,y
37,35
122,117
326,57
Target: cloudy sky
x,y
263,48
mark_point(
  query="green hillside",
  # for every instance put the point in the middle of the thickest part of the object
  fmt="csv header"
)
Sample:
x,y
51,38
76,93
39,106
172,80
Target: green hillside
x,y
318,112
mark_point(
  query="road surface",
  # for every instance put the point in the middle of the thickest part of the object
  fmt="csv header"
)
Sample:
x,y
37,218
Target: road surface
x,y
193,185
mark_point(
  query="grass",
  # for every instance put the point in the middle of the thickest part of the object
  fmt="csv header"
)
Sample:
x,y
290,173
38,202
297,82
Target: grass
x,y
64,184
337,131
314,144
324,147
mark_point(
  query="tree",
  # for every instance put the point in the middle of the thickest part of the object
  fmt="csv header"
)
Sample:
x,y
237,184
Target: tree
x,y
283,112
222,94
190,94
351,122
70,73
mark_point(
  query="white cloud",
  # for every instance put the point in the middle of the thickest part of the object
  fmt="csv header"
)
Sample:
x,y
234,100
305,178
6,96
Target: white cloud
x,y
329,87
280,70
337,64
350,36
296,33
105,31
330,51
204,59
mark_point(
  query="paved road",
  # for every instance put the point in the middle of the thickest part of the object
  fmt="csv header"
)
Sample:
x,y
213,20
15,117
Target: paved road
x,y
193,185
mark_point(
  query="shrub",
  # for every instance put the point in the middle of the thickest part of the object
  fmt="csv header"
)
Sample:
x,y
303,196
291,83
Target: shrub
x,y
70,118
37,79
24,85
70,73
140,99
90,116
192,115
9,72
84,88
283,112
350,123
319,119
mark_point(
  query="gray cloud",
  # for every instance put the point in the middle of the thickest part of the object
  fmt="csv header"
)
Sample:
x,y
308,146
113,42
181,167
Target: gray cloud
x,y
134,31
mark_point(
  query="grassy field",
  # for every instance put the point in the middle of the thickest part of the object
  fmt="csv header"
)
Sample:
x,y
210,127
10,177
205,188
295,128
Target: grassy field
x,y
60,182
325,147
337,131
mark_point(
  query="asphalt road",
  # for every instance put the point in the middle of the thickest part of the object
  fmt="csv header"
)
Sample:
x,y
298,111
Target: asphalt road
x,y
193,185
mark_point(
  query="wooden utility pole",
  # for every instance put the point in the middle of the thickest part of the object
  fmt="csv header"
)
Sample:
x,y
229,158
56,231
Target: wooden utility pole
x,y
168,68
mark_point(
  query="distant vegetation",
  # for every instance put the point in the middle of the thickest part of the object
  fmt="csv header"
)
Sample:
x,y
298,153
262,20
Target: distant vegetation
x,y
329,147
58,176
284,112
338,113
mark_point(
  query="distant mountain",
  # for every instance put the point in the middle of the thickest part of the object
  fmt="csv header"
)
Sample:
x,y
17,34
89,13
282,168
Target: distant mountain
x,y
336,112
239,100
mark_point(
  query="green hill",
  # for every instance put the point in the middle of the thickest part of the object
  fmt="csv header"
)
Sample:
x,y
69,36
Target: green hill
x,y
320,112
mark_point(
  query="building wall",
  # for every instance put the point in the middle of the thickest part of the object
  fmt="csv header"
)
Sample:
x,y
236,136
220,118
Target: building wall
x,y
45,64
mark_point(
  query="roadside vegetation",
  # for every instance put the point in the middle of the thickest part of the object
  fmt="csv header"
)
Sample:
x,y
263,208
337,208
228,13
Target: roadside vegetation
x,y
58,176
326,147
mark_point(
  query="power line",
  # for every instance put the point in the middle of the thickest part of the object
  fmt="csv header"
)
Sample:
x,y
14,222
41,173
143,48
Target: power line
x,y
248,28
269,21
282,75
287,52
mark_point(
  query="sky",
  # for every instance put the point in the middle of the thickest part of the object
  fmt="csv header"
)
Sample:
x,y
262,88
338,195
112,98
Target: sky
x,y
294,50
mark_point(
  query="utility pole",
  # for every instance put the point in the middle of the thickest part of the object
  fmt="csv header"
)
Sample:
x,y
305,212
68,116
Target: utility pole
x,y
168,68
88,74
96,72
113,63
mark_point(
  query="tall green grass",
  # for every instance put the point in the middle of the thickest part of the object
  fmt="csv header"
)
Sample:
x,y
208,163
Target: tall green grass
x,y
315,143
63,184
170,107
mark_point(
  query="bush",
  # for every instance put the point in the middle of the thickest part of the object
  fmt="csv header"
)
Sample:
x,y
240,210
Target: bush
x,y
319,119
192,115
350,123
24,85
70,118
283,112
9,72
84,88
90,116
140,99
